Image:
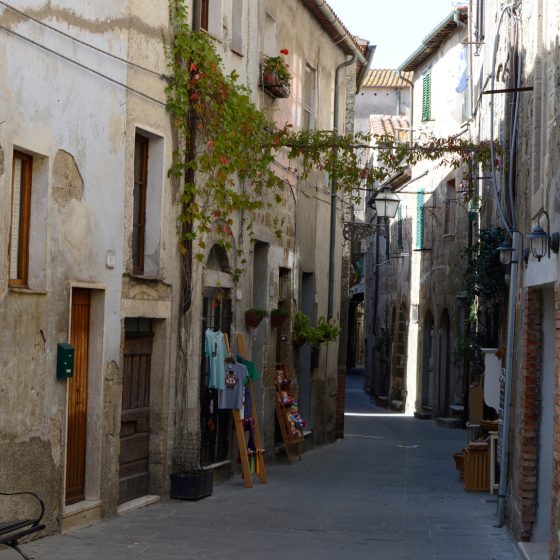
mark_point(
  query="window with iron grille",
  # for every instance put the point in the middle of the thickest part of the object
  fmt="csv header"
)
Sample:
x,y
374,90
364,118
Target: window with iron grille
x,y
18,248
427,96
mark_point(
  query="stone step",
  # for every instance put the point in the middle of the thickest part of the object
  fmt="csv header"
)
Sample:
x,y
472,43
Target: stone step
x,y
446,422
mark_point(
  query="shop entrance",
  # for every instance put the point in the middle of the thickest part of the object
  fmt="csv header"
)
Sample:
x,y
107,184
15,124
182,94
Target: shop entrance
x,y
215,424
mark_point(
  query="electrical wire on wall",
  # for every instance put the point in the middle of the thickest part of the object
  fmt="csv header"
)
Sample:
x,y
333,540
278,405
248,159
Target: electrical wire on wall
x,y
506,208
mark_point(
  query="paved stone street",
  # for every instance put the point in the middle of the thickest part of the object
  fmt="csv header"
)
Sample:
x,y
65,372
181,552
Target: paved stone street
x,y
388,491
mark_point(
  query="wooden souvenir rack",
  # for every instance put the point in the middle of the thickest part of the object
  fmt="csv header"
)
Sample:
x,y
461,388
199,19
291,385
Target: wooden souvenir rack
x,y
284,398
240,432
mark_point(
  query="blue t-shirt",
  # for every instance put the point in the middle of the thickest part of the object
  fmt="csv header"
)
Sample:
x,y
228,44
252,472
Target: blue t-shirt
x,y
215,351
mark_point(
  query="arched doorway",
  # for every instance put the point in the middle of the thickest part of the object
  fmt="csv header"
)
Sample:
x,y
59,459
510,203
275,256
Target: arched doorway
x,y
444,363
217,315
427,362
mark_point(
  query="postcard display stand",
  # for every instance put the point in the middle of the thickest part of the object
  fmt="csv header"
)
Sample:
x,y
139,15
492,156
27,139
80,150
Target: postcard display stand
x,y
286,411
240,431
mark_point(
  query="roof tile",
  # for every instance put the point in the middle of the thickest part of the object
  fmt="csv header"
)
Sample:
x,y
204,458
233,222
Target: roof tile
x,y
396,126
385,78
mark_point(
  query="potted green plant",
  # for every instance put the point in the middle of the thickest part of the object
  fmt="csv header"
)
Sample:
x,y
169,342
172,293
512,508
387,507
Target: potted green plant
x,y
326,331
275,75
254,316
301,330
278,316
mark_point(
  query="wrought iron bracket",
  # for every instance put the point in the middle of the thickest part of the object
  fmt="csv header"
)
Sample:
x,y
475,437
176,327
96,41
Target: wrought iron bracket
x,y
356,231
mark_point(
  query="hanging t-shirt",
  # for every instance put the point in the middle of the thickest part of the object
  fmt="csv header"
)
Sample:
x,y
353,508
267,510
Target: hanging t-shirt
x,y
234,380
254,373
215,351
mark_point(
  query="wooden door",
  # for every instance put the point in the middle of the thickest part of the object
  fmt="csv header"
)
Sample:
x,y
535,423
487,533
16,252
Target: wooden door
x,y
77,398
135,418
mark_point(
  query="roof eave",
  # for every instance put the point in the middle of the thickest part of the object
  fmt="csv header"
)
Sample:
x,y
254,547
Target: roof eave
x,y
417,57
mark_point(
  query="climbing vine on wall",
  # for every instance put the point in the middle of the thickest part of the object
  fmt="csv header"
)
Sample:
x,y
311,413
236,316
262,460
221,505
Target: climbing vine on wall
x,y
485,273
229,166
227,146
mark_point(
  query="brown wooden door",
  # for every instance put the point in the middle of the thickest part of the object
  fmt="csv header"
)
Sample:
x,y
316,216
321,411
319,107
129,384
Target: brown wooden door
x,y
77,398
135,419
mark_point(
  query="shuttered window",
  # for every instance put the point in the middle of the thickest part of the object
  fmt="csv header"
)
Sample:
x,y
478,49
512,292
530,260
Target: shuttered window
x,y
420,219
427,96
140,197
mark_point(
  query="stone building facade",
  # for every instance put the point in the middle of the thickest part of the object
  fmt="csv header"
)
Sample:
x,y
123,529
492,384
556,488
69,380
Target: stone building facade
x,y
503,59
88,231
414,317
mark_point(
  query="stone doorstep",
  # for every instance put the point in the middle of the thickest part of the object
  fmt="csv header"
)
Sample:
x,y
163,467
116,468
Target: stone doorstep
x,y
137,503
533,550
81,514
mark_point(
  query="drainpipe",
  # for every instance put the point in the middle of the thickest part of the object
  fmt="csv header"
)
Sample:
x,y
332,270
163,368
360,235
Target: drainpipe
x,y
411,85
516,245
334,182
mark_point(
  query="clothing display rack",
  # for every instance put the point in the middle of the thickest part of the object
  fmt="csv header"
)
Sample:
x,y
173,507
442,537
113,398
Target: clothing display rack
x,y
240,430
292,434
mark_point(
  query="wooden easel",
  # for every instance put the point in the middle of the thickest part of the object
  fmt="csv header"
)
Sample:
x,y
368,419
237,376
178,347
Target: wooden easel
x,y
240,434
289,439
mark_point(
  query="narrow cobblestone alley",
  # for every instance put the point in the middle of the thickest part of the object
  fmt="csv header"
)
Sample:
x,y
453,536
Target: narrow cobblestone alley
x,y
388,491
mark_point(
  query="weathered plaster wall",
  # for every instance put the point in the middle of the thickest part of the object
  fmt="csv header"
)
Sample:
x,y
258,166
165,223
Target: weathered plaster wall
x,y
66,117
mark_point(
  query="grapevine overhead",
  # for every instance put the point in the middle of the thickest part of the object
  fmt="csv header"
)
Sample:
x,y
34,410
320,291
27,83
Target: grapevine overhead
x,y
227,146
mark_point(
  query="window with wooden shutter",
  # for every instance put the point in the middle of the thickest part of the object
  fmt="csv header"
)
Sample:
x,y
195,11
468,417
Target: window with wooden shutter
x,y
309,98
420,219
204,12
427,96
237,11
18,248
450,201
140,195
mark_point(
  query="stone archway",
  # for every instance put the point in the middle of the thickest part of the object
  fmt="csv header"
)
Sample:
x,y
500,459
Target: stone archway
x,y
444,364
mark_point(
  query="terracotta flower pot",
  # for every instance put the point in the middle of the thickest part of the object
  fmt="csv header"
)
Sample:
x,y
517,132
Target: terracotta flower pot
x,y
277,320
252,319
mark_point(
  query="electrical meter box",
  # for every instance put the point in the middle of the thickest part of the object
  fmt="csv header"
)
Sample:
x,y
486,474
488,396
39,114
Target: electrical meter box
x,y
64,361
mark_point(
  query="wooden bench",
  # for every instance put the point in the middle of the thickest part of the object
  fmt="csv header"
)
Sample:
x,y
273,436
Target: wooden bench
x,y
12,531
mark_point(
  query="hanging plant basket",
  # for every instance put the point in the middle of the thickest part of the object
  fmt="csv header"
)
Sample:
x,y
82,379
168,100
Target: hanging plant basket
x,y
299,342
253,317
274,86
278,317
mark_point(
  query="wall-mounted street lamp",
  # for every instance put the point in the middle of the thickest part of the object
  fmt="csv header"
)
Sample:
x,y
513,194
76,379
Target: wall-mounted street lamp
x,y
385,203
505,251
541,242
